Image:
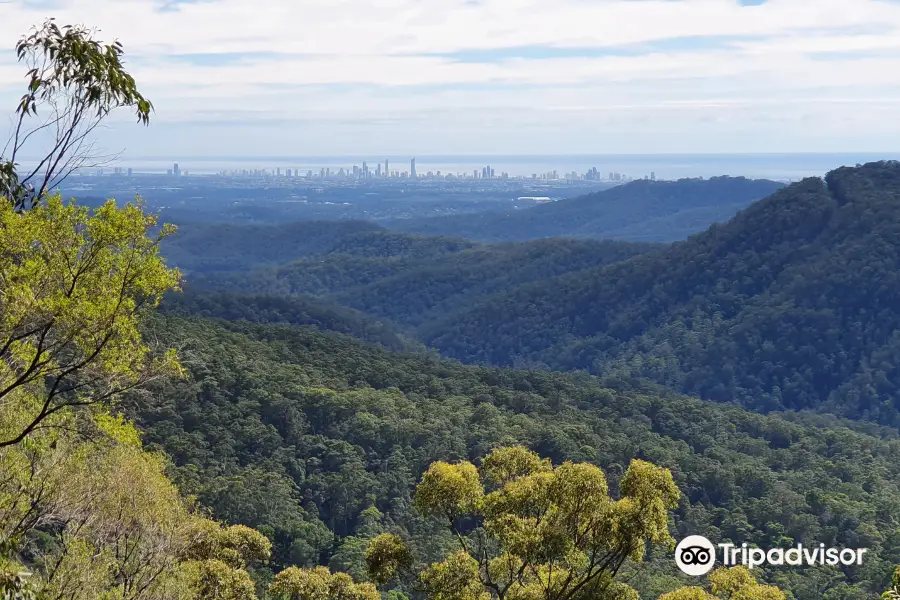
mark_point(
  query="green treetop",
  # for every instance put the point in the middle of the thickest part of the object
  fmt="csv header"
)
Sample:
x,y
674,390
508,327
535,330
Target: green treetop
x,y
736,583
530,531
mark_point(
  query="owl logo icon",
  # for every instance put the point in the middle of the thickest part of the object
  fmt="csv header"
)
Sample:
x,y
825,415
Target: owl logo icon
x,y
695,555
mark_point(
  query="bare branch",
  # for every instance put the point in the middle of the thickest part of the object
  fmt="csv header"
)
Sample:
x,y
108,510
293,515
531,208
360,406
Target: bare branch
x,y
80,81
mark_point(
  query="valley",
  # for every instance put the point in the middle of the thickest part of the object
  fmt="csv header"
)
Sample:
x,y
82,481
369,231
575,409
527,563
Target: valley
x,y
329,353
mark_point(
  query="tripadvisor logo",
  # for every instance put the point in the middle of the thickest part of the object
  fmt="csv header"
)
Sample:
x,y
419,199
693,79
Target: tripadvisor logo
x,y
695,555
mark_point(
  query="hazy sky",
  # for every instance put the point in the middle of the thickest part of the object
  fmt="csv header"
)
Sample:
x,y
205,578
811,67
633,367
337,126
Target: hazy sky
x,y
327,77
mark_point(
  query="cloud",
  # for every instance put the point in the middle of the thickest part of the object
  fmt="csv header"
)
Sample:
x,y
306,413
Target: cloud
x,y
714,75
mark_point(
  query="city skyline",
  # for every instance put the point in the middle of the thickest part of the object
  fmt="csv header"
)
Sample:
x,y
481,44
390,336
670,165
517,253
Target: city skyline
x,y
493,76
781,167
363,173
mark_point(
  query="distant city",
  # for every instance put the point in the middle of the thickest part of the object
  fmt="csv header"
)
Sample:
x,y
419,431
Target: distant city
x,y
384,171
577,171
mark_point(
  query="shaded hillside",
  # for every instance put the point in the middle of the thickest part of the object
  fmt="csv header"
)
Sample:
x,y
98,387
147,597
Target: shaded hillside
x,y
276,421
297,310
227,247
644,211
794,303
412,288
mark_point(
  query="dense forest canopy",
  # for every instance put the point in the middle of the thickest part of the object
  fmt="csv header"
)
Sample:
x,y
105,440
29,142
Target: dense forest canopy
x,y
318,440
202,247
790,305
313,421
415,288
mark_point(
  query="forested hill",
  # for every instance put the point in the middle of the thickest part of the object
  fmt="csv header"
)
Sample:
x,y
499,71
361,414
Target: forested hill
x,y
296,310
226,247
317,440
644,211
414,288
794,303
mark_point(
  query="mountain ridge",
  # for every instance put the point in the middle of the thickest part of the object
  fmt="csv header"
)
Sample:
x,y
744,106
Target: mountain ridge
x,y
643,210
791,282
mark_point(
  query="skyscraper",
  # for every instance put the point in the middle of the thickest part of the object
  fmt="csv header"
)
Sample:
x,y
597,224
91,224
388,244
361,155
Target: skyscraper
x,y
387,170
175,170
412,168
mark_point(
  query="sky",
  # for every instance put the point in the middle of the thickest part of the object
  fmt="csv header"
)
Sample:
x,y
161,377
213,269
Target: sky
x,y
407,77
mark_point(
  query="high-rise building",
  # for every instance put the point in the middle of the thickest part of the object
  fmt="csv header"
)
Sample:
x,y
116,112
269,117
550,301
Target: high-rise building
x,y
387,169
287,172
278,171
175,170
129,171
652,176
412,168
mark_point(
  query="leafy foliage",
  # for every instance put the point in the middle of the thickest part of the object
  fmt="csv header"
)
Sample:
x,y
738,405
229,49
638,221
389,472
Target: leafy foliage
x,y
85,511
736,583
319,584
77,81
299,433
73,293
543,532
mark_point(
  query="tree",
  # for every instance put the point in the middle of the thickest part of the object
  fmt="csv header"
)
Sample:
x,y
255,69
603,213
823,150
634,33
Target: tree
x,y
95,517
74,289
319,584
529,530
736,583
893,592
84,511
74,82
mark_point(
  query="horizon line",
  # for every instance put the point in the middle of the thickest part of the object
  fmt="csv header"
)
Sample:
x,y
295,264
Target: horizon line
x,y
490,155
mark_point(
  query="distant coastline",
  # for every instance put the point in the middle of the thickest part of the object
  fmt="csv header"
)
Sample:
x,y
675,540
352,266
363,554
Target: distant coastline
x,y
781,167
